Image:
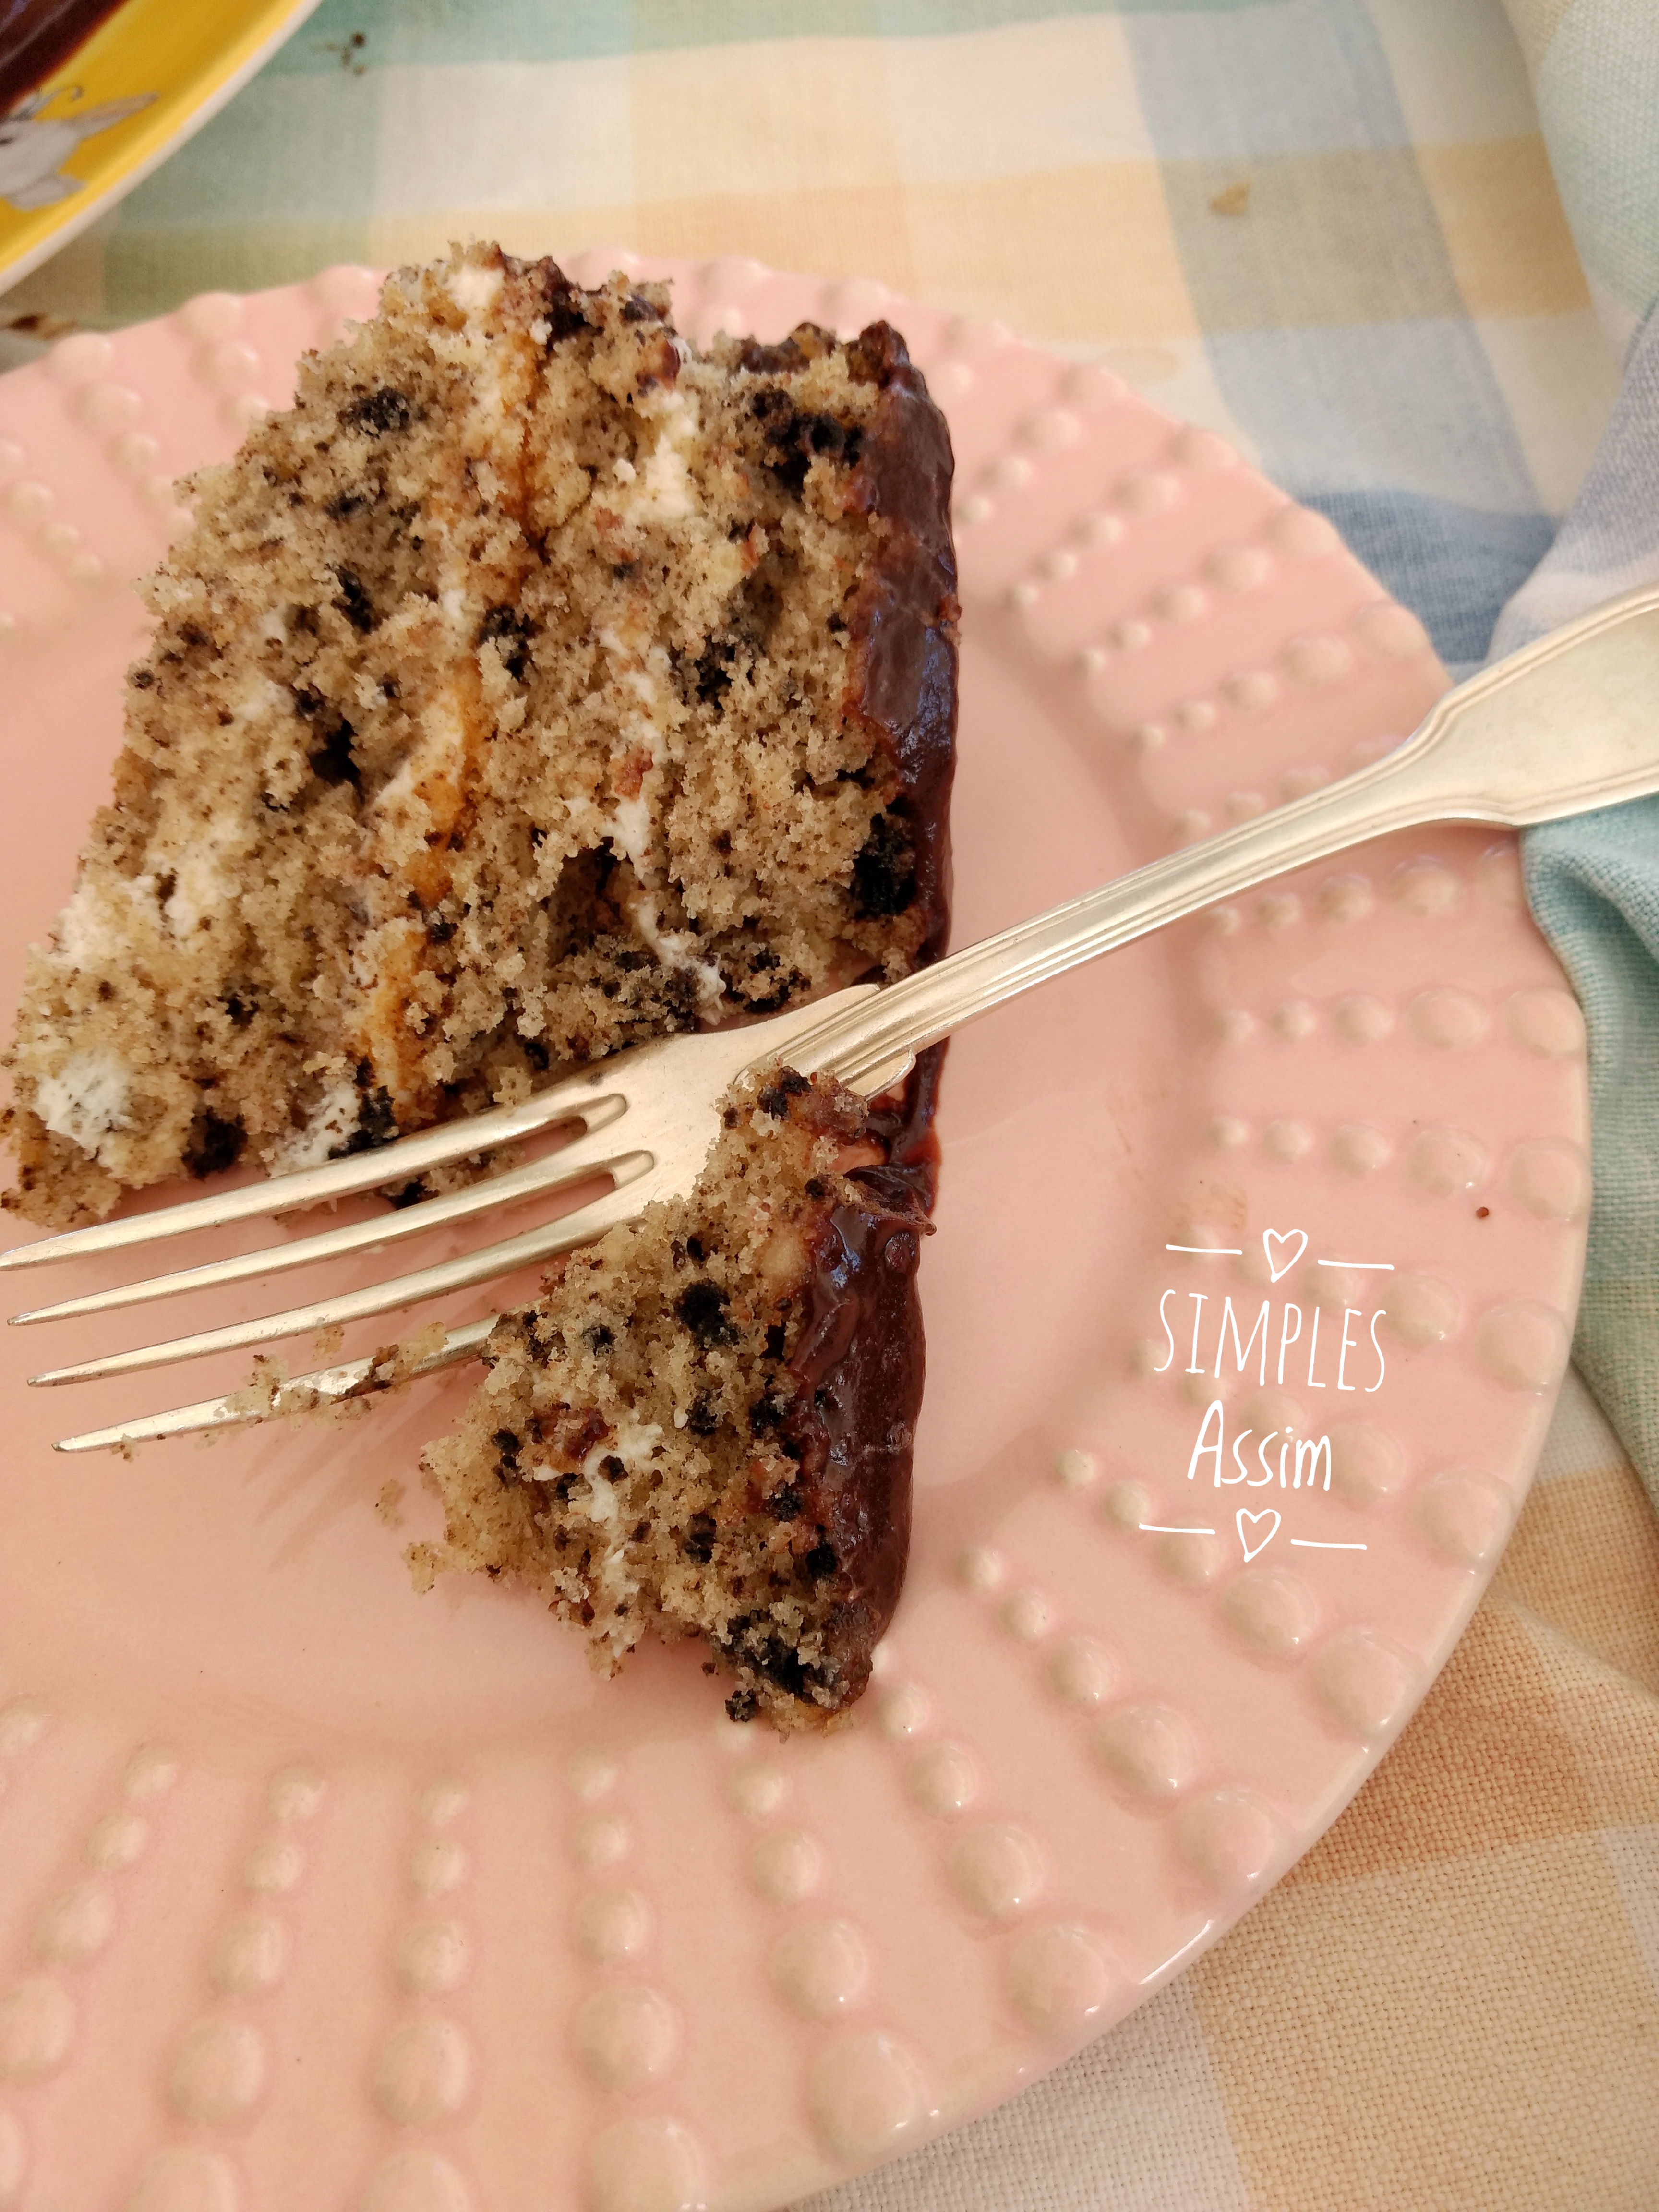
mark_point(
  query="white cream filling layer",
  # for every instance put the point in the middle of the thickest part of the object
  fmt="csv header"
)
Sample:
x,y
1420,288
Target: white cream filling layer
x,y
88,930
87,1100
474,288
596,1497
627,830
329,1127
660,486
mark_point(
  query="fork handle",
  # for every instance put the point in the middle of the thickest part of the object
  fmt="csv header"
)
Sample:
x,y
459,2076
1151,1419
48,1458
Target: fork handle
x,y
1570,724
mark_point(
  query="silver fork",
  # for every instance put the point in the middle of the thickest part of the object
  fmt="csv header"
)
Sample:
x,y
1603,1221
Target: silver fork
x,y
1570,724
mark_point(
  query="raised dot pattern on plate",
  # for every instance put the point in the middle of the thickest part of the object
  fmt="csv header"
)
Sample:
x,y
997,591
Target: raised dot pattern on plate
x,y
867,2096
416,2179
1524,1343
1365,1682
422,2072
1367,1463
1550,1177
1061,1977
1081,1671
1374,632
1148,1752
1271,1613
820,1964
1464,1517
626,2034
186,2178
1231,1838
73,1926
1058,1976
944,1780
221,2063
646,2165
820,1968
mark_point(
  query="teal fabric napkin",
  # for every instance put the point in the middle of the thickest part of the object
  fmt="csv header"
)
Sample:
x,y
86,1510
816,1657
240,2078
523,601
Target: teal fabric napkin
x,y
1594,885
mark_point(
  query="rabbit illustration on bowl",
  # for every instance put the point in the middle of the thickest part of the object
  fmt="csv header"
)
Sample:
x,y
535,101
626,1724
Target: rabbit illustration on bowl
x,y
33,147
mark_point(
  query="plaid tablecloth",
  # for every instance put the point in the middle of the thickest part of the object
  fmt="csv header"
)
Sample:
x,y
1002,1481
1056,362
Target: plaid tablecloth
x,y
1335,230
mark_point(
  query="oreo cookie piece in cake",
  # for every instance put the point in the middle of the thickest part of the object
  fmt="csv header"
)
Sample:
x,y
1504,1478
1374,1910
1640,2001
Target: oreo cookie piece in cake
x,y
704,1427
532,686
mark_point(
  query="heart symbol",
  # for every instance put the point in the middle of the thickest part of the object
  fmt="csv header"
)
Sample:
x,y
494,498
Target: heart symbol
x,y
1261,1543
1275,1241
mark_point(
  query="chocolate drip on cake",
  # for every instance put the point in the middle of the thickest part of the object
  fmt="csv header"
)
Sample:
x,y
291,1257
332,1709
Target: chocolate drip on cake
x,y
903,624
860,1365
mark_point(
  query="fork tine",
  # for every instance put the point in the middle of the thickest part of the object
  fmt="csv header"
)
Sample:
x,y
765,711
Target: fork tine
x,y
457,1274
353,1378
670,1145
583,1157
593,1100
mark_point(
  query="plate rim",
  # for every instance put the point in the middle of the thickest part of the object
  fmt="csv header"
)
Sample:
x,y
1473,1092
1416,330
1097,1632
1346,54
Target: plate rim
x,y
1036,2064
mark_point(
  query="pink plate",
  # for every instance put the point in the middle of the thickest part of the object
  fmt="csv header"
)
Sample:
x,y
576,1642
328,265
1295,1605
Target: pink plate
x,y
317,1893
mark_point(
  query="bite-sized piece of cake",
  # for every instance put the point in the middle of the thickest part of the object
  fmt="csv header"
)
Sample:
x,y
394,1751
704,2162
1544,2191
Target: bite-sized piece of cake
x,y
704,1426
532,686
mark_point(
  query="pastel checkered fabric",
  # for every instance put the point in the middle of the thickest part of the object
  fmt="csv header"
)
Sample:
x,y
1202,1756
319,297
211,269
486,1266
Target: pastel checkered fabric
x,y
1396,250
1327,228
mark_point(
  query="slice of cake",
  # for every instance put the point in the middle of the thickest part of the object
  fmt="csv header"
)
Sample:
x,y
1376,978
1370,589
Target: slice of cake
x,y
534,685
704,1426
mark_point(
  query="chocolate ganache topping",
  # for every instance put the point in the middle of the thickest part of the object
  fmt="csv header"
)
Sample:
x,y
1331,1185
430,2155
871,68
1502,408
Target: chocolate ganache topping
x,y
861,1359
903,626
860,1364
